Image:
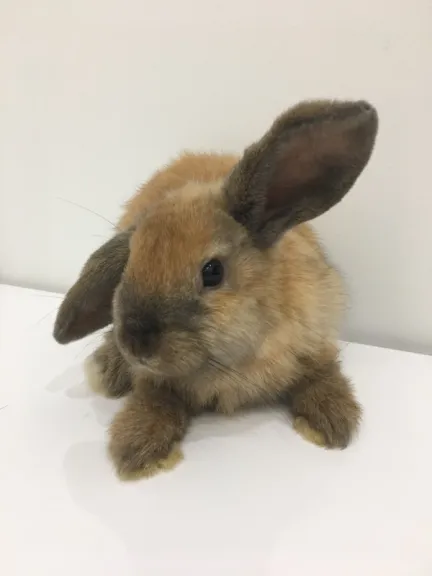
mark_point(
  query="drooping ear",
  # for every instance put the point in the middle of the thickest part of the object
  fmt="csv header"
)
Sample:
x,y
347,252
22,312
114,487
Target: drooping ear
x,y
87,305
303,166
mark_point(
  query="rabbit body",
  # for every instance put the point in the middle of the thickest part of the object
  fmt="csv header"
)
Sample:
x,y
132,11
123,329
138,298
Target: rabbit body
x,y
219,292
298,297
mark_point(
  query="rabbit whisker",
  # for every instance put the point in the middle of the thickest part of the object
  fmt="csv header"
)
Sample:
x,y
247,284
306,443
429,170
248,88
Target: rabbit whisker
x,y
87,210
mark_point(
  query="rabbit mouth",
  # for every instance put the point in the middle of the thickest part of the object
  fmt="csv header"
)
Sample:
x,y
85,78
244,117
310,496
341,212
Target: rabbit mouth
x,y
172,362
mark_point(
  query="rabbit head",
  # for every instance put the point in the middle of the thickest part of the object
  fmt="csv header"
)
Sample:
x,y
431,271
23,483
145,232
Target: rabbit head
x,y
189,281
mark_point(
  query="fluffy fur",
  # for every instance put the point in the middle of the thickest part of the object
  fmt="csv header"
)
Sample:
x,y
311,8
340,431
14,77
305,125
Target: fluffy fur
x,y
268,334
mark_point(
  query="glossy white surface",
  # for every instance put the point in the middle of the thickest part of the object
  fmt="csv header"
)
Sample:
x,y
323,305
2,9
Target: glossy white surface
x,y
251,498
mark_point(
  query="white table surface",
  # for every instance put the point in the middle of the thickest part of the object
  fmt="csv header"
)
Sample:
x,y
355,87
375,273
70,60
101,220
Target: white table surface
x,y
251,497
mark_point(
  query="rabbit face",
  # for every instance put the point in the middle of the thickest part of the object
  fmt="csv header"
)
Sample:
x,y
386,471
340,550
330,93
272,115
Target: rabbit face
x,y
197,277
188,294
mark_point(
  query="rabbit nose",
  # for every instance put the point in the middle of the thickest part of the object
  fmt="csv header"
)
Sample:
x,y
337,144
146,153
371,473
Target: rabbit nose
x,y
141,335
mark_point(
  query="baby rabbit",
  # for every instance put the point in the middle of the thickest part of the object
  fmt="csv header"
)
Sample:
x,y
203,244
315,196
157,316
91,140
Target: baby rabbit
x,y
218,292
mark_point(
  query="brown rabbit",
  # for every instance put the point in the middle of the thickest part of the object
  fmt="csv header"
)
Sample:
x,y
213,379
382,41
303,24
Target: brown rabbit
x,y
219,294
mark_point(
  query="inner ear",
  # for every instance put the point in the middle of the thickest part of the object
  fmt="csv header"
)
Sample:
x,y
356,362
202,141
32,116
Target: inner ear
x,y
87,306
304,165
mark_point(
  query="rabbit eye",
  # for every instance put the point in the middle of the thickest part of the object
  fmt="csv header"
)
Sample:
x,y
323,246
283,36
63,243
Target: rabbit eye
x,y
212,273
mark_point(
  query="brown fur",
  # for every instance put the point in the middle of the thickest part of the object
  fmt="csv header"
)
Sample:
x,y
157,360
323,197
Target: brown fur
x,y
145,431
88,305
188,168
107,372
322,402
268,333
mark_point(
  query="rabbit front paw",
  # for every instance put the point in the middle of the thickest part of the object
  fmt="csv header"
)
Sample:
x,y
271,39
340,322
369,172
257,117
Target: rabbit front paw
x,y
145,434
133,461
325,410
107,372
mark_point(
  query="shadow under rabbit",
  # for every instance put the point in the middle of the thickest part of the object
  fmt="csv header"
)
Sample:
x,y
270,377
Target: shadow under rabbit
x,y
229,479
198,507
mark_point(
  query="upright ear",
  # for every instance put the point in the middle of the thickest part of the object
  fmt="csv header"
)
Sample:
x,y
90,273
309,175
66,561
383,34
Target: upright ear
x,y
303,166
87,306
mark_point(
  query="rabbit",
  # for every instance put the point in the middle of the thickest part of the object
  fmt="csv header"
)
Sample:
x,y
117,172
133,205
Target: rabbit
x,y
219,294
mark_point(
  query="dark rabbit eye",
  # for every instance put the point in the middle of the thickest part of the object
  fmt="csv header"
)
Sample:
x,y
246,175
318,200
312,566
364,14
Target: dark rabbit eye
x,y
212,273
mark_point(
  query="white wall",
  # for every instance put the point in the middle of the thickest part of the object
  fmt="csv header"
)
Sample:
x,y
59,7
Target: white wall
x,y
96,94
